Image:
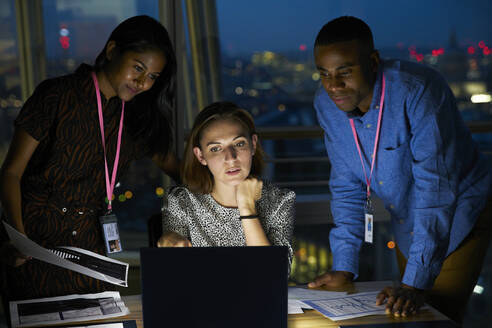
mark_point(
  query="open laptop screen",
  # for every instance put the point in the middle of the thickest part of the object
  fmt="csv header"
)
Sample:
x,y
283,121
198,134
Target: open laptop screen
x,y
214,286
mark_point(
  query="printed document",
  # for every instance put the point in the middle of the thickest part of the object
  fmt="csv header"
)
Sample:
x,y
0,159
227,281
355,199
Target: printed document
x,y
67,309
303,293
348,307
72,258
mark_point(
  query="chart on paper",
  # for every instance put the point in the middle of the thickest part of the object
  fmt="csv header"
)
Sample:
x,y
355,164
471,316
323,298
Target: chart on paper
x,y
348,307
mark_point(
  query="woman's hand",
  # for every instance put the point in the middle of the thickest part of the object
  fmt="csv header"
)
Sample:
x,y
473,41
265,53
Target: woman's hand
x,y
247,193
9,255
401,301
173,239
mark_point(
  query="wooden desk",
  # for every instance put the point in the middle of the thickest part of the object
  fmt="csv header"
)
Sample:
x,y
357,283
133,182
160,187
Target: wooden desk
x,y
310,318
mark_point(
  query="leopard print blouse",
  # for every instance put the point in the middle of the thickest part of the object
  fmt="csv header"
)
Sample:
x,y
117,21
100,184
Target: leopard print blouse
x,y
206,223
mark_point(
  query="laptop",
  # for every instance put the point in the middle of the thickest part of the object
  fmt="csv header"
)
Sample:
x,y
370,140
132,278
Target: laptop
x,y
214,286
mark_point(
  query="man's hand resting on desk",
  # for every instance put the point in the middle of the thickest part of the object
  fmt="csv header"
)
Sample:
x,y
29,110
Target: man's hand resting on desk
x,y
332,279
402,301
173,239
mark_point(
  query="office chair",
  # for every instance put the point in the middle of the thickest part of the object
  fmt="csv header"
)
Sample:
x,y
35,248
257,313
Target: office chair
x,y
154,224
154,228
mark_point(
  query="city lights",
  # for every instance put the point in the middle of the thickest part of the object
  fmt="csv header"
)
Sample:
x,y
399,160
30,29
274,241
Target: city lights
x,y
299,67
159,191
253,93
478,289
481,98
239,90
128,194
64,39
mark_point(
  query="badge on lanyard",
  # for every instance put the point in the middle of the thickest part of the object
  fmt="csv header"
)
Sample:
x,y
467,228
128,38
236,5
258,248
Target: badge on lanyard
x,y
112,239
369,221
109,222
368,207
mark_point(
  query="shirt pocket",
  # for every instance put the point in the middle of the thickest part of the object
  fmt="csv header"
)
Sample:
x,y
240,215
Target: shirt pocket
x,y
395,161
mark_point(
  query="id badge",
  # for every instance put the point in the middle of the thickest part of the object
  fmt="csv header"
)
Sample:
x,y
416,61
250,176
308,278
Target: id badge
x,y
109,224
369,222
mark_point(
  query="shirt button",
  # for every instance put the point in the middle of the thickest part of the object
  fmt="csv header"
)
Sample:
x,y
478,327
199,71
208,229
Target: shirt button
x,y
402,221
64,210
74,233
368,126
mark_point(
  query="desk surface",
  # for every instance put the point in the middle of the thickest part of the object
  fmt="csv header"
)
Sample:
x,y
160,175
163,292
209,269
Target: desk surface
x,y
310,318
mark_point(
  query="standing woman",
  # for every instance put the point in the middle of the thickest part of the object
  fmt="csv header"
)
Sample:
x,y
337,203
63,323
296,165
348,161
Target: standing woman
x,y
224,202
58,171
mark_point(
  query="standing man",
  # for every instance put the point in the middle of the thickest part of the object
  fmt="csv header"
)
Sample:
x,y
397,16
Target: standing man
x,y
392,129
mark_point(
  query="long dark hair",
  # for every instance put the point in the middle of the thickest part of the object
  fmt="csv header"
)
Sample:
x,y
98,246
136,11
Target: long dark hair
x,y
197,177
149,116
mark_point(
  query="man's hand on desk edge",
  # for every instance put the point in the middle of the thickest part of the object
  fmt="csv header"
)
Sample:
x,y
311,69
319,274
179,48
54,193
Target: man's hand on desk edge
x,y
10,256
401,301
173,239
332,279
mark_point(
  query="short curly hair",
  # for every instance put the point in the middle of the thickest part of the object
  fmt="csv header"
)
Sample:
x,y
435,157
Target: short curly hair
x,y
345,28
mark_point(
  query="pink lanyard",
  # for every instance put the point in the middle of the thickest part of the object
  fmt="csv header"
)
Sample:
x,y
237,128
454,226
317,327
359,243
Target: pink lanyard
x,y
354,132
109,186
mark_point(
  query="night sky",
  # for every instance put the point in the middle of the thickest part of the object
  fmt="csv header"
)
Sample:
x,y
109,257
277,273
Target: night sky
x,y
283,25
256,25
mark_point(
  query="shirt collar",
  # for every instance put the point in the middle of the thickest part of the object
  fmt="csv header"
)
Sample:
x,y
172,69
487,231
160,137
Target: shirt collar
x,y
87,88
378,85
355,113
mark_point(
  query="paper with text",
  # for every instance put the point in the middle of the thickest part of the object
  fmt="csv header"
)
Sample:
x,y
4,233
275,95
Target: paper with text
x,y
303,293
67,309
348,307
92,264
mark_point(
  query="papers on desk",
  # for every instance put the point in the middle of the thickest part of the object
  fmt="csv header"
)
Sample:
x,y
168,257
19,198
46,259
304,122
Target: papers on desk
x,y
67,309
299,294
122,324
72,258
295,307
339,305
348,307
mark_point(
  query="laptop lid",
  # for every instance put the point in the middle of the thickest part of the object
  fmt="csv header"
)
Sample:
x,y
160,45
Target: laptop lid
x,y
214,286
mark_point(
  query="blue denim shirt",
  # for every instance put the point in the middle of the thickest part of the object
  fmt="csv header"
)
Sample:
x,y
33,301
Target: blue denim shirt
x,y
429,172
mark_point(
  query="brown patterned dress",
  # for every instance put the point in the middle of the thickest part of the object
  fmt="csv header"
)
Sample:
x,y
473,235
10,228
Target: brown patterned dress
x,y
63,187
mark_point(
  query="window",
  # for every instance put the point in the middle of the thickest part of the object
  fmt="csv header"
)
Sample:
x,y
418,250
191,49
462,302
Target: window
x,y
259,55
10,90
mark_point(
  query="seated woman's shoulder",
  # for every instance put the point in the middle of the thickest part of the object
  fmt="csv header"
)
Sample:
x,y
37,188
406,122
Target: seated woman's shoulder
x,y
273,193
182,192
178,191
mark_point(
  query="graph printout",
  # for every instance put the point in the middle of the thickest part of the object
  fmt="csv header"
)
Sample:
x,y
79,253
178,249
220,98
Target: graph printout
x,y
66,309
348,307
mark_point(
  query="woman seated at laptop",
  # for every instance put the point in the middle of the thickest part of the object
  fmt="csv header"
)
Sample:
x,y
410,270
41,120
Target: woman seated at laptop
x,y
224,202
